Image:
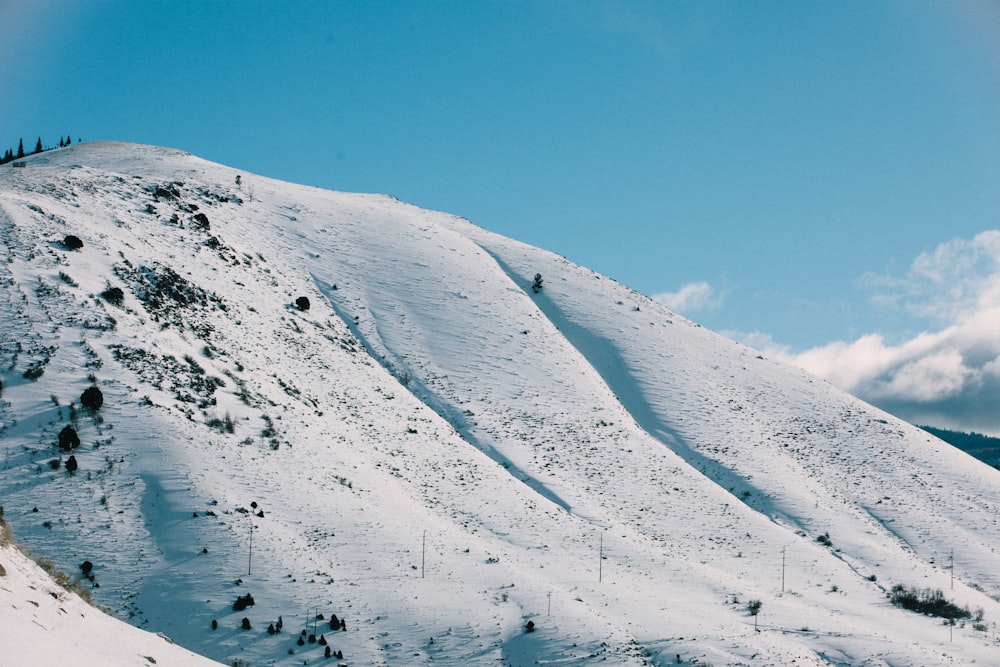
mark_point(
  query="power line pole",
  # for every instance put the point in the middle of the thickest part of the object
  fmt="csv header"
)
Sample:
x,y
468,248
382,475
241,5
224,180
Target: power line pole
x,y
600,558
250,555
250,514
423,554
782,569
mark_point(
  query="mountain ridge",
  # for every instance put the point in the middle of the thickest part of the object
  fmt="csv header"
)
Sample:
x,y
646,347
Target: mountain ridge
x,y
580,442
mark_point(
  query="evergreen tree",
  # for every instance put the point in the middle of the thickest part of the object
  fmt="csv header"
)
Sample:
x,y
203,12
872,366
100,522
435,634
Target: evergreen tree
x,y
38,146
20,148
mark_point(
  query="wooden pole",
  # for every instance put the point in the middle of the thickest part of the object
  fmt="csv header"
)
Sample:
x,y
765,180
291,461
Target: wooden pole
x,y
600,559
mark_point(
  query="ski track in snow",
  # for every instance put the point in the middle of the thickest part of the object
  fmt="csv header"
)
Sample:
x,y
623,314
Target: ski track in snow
x,y
438,453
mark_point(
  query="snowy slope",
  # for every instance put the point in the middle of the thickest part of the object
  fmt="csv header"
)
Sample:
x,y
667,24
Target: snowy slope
x,y
438,453
43,624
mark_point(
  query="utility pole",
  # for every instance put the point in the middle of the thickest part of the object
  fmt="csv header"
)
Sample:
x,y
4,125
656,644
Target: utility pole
x,y
600,558
549,612
782,569
423,554
250,514
250,555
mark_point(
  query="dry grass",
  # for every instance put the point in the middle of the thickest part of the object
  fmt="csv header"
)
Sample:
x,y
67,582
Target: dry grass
x,y
64,580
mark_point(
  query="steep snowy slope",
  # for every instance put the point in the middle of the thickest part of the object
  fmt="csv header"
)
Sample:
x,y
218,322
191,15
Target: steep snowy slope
x,y
434,451
43,624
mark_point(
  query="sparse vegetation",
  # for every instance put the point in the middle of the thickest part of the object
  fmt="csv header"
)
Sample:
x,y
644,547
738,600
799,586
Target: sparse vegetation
x,y
61,578
222,424
927,601
35,370
4,530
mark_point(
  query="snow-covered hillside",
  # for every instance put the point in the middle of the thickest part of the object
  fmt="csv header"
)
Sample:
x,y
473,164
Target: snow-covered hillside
x,y
44,624
436,452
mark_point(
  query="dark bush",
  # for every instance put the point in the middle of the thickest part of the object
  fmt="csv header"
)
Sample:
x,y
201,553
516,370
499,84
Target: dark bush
x,y
92,398
86,567
243,602
529,626
536,285
114,295
34,371
201,221
302,302
68,439
55,464
245,624
71,464
72,242
927,601
168,191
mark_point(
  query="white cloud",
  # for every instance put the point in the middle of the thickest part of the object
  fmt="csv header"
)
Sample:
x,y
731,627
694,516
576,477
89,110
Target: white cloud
x,y
956,280
949,377
691,298
758,340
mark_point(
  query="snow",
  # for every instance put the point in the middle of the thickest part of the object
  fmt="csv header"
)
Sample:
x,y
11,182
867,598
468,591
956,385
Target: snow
x,y
44,624
437,452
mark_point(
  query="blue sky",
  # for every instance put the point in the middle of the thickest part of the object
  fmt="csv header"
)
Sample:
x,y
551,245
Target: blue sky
x,y
787,173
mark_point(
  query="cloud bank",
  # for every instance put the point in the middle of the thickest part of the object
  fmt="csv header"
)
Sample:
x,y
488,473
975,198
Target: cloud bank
x,y
948,377
690,298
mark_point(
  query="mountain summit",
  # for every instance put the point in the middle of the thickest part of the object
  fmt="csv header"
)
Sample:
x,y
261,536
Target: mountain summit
x,y
337,424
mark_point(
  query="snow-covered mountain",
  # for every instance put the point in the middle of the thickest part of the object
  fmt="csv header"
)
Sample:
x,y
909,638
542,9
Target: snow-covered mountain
x,y
436,451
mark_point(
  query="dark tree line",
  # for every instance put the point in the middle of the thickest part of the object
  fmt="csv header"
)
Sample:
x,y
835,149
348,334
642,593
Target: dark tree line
x,y
10,155
983,447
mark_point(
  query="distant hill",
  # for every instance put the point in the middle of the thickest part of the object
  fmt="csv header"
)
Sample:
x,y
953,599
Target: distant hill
x,y
983,447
